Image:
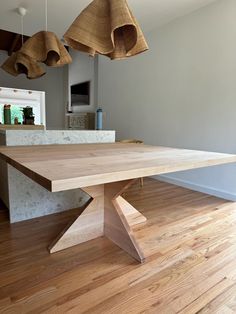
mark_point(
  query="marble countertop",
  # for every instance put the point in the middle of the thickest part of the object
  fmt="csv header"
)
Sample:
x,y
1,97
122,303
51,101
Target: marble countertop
x,y
44,137
4,131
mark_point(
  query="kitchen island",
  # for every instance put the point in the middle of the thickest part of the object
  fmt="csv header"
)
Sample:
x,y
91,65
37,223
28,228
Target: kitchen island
x,y
24,197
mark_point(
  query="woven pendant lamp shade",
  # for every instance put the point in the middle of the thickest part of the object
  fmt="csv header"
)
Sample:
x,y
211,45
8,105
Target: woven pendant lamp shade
x,y
109,28
45,47
9,65
18,63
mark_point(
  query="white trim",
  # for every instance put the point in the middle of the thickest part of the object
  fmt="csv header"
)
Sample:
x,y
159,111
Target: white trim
x,y
197,187
43,108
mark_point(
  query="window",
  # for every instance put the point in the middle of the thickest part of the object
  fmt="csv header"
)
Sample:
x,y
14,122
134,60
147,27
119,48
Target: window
x,y
15,112
21,98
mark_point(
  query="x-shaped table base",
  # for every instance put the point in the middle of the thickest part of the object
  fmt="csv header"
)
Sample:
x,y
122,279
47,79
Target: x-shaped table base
x,y
107,214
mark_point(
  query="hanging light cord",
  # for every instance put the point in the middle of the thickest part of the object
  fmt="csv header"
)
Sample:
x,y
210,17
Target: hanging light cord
x,y
46,15
22,30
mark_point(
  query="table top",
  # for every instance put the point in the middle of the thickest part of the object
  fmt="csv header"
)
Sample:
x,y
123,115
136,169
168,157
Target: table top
x,y
65,167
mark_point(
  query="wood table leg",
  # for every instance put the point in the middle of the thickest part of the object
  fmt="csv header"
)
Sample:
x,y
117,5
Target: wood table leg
x,y
89,225
120,216
107,214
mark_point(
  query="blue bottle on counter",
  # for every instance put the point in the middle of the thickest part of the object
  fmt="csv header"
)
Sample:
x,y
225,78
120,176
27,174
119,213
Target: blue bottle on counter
x,y
99,119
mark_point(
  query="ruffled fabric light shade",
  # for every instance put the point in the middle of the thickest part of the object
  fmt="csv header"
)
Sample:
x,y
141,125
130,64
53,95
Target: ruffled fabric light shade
x,y
45,47
19,63
107,27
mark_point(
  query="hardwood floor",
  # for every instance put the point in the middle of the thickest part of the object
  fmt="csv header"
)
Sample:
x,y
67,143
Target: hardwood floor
x,y
191,238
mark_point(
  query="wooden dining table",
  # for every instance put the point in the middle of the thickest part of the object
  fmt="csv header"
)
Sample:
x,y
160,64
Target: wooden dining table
x,y
104,172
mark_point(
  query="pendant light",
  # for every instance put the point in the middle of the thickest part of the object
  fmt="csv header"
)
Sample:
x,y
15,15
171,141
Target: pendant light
x,y
45,47
107,27
18,62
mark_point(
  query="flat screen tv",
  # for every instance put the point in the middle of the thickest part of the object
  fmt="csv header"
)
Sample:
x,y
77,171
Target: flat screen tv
x,y
80,94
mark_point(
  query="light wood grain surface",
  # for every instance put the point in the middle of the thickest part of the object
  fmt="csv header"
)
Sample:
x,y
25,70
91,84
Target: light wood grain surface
x,y
87,226
191,271
115,222
65,167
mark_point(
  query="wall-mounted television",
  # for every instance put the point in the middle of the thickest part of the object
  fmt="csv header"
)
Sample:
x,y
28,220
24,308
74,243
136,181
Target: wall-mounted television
x,y
80,94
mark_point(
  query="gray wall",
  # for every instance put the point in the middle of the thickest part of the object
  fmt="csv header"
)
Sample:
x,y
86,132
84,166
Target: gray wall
x,y
181,93
52,83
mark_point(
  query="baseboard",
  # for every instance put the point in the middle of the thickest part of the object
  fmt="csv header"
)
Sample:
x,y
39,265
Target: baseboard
x,y
197,187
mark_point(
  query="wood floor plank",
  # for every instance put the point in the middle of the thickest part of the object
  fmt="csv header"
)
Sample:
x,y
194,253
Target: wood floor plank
x,y
191,238
220,303
171,291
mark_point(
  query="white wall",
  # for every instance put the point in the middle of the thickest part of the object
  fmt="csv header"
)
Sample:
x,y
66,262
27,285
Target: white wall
x,y
181,93
84,68
52,83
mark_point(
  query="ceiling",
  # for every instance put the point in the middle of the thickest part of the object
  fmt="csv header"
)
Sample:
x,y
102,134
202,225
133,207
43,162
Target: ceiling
x,y
61,13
